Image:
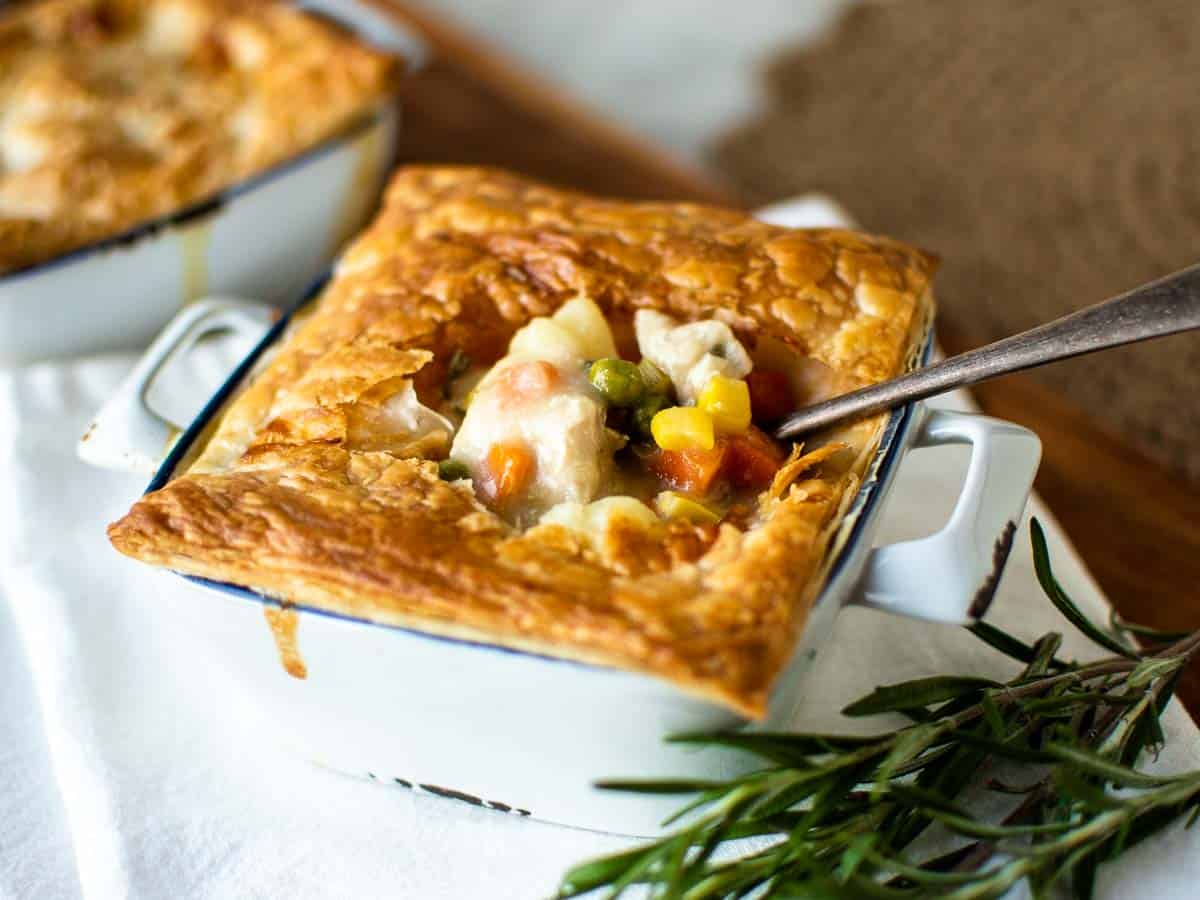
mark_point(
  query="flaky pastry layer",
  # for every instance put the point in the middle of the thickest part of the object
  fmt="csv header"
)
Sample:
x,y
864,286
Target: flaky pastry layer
x,y
115,112
295,491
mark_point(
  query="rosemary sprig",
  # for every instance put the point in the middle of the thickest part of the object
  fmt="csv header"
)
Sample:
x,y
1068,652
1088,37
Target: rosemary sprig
x,y
836,816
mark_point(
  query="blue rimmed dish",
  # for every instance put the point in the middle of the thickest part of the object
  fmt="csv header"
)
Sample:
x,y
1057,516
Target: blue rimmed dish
x,y
529,733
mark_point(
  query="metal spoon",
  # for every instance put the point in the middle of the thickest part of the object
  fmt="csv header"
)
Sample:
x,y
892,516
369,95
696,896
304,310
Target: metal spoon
x,y
1166,306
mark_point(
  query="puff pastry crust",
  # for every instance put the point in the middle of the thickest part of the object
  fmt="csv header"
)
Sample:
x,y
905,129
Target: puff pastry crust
x,y
114,112
294,493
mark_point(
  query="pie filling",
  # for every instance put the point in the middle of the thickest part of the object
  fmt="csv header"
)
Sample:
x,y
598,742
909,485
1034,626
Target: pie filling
x,y
565,430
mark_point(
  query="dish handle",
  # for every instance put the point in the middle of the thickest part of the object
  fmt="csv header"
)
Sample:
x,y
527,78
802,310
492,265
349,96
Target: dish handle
x,y
127,434
951,576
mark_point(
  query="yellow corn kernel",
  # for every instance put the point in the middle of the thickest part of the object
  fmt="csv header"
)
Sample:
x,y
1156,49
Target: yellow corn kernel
x,y
727,400
673,505
683,428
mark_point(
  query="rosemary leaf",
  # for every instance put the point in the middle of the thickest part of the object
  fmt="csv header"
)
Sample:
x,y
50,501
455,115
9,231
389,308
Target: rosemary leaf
x,y
1076,698
1191,820
786,749
1149,669
1010,748
968,827
1075,786
916,694
1043,655
1150,635
834,816
597,873
1065,605
1083,882
1153,820
1094,764
991,715
661,786
705,798
1007,644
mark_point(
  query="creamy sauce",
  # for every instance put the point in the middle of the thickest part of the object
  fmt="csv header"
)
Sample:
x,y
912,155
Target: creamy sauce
x,y
691,353
283,622
404,415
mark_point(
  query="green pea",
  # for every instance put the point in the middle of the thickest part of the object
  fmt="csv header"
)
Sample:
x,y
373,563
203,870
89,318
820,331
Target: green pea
x,y
452,470
456,367
618,380
458,364
645,411
656,380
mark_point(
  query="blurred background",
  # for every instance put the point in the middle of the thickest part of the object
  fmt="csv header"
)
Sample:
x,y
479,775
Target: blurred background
x,y
1048,151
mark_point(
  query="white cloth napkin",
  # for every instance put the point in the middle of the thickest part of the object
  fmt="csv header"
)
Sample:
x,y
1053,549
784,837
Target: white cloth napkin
x,y
167,790
131,767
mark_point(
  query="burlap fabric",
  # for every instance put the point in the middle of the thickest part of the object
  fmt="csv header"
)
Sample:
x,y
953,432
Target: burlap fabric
x,y
1048,150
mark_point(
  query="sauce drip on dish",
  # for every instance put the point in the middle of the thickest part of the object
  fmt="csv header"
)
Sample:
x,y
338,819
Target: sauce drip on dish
x,y
283,622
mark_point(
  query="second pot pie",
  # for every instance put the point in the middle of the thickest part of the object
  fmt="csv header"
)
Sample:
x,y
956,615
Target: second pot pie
x,y
527,417
115,112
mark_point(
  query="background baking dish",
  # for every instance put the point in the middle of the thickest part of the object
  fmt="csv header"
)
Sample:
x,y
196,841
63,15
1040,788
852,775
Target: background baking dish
x,y
265,237
528,734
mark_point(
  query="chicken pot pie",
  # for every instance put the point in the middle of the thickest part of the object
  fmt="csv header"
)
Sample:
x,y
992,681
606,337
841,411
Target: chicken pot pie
x,y
116,112
533,418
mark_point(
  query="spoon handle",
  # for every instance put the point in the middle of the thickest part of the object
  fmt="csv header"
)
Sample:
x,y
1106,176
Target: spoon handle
x,y
1166,306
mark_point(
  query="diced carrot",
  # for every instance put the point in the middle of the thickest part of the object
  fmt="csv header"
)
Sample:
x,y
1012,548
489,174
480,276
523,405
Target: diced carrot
x,y
694,471
510,469
770,395
752,459
525,382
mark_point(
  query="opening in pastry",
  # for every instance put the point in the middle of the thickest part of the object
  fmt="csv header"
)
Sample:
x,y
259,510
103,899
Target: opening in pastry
x,y
566,429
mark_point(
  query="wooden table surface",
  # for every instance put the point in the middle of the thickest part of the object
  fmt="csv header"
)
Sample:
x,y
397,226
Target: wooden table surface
x,y
1135,525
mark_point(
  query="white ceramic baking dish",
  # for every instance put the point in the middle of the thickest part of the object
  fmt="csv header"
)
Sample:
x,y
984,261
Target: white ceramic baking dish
x,y
529,734
266,237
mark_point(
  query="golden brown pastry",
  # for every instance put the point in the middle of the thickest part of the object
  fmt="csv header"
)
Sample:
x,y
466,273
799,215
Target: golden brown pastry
x,y
114,112
319,483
